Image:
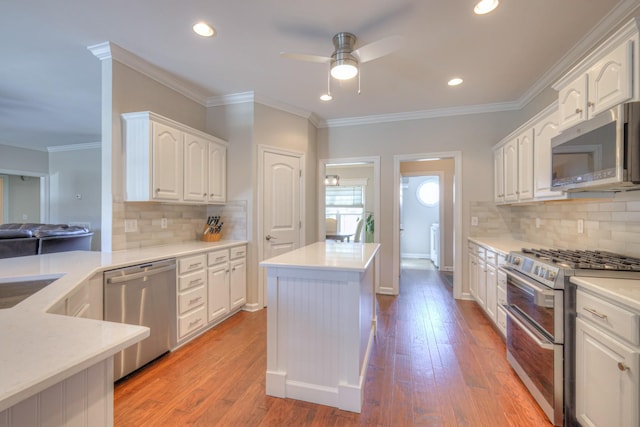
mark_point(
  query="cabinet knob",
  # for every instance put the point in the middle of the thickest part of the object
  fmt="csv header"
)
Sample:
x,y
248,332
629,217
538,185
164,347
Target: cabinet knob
x,y
204,194
590,104
157,190
622,367
578,110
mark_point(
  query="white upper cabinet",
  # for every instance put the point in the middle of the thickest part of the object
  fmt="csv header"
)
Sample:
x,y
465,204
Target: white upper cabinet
x,y
544,129
196,168
511,171
166,165
498,175
217,173
601,80
525,165
168,161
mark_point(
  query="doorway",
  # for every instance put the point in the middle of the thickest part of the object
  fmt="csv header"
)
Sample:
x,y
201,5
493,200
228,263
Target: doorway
x,y
421,214
449,220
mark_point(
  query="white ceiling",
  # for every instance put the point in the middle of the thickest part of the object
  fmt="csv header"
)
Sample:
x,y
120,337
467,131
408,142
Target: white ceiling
x,y
50,82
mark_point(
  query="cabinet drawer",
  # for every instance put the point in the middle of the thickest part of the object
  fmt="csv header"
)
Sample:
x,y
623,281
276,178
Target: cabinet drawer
x,y
501,320
500,259
218,257
192,263
238,252
191,280
480,251
490,256
191,322
191,299
616,319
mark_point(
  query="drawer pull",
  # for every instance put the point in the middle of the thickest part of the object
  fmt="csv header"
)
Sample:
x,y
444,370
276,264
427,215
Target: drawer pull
x,y
622,367
195,265
220,258
195,300
595,312
194,281
195,322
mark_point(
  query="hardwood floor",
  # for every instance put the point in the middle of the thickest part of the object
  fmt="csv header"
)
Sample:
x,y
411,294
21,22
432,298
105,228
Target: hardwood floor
x,y
436,362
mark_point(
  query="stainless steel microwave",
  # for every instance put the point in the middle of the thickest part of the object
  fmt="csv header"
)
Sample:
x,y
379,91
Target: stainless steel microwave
x,y
600,154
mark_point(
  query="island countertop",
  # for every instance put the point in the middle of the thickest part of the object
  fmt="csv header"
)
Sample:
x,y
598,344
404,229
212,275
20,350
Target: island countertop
x,y
327,256
38,348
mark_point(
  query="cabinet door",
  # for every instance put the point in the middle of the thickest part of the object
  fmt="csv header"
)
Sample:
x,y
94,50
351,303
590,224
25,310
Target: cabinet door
x,y
167,163
544,130
525,166
492,292
217,173
572,103
218,291
481,297
606,379
498,175
473,275
610,79
238,291
511,171
196,169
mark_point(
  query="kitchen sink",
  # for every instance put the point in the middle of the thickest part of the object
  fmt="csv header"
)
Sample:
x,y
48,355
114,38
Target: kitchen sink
x,y
16,289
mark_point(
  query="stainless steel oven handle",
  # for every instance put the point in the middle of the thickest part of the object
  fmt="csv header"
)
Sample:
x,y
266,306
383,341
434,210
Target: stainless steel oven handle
x,y
539,339
516,277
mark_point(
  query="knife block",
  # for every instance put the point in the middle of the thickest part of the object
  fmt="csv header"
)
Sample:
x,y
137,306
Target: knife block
x,y
211,237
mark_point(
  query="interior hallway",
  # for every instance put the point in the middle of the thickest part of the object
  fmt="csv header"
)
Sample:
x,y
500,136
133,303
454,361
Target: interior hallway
x,y
436,362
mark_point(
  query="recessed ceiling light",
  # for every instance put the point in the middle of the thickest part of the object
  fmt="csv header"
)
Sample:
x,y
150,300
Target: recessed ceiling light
x,y
455,82
485,6
326,97
203,29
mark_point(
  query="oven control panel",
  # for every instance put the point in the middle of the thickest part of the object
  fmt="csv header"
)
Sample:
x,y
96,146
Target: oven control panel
x,y
538,270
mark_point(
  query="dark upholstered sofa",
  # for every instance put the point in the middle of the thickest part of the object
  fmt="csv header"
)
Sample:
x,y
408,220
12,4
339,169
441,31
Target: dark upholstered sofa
x,y
34,239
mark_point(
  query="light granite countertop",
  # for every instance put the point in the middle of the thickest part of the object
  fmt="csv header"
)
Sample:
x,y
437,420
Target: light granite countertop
x,y
503,245
327,256
623,291
41,349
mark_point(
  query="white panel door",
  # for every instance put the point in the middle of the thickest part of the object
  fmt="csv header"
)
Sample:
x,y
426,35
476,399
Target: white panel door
x,y
217,173
281,209
572,104
610,79
196,169
525,166
511,171
218,291
544,130
167,163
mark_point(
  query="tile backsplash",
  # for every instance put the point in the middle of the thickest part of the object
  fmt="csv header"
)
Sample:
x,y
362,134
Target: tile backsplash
x,y
611,224
184,223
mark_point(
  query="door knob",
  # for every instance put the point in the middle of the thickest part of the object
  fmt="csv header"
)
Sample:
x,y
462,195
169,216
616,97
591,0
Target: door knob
x,y
269,237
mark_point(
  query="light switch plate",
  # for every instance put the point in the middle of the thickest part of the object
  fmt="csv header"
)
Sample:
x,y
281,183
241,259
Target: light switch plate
x,y
474,220
580,226
163,223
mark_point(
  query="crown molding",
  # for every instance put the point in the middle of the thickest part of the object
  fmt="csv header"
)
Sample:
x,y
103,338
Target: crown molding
x,y
423,114
109,50
74,147
242,97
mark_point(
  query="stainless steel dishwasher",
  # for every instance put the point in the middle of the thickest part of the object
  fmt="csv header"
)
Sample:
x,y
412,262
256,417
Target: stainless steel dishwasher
x,y
142,295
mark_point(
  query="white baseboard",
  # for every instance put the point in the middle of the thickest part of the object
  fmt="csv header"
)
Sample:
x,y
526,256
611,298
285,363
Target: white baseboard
x,y
252,307
412,255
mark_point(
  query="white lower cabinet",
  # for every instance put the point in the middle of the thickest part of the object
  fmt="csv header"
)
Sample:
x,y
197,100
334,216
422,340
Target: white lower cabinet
x,y
492,291
607,364
87,300
211,287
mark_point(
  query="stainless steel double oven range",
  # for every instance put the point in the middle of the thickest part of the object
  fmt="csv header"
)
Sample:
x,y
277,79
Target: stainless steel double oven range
x,y
541,311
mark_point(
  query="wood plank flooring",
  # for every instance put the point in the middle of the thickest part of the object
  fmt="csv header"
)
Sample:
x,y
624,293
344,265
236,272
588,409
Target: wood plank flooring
x,y
436,362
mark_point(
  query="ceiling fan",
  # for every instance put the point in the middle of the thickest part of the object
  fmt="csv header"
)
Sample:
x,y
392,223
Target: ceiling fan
x,y
344,61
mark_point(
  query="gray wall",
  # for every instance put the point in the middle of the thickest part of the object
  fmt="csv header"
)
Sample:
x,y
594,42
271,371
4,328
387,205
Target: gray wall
x,y
23,199
74,196
15,159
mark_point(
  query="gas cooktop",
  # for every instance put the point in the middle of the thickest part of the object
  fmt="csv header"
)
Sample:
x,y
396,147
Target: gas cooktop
x,y
552,266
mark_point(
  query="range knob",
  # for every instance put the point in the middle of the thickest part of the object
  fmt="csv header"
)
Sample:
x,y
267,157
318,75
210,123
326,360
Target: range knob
x,y
551,275
516,260
542,272
536,270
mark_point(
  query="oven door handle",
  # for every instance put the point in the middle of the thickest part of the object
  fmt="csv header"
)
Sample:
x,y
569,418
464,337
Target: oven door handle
x,y
519,319
515,277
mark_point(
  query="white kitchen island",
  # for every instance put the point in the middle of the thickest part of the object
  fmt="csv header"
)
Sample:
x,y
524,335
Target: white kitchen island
x,y
321,322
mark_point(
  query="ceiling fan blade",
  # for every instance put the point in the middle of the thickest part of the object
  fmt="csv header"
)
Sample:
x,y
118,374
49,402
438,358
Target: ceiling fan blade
x,y
378,49
308,58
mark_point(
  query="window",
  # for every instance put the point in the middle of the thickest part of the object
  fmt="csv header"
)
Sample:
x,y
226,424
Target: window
x,y
428,193
345,203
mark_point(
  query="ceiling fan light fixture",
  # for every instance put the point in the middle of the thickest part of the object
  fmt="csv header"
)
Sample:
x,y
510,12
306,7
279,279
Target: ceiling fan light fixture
x,y
455,81
203,29
344,68
326,97
485,6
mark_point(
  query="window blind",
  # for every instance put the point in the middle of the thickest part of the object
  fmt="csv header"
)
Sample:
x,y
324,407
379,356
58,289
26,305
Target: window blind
x,y
348,196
